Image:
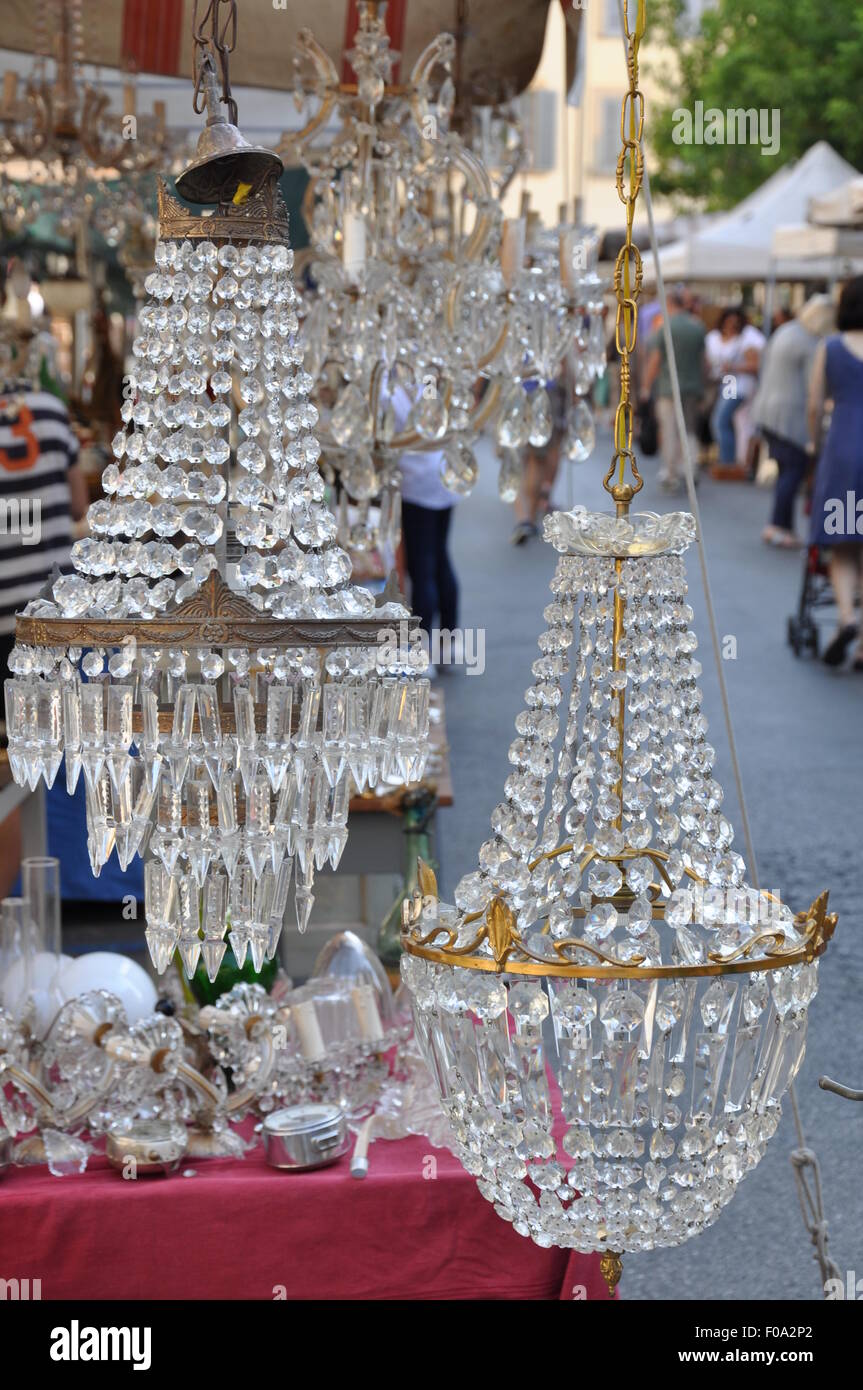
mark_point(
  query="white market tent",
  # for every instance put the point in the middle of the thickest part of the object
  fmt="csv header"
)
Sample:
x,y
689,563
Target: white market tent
x,y
739,245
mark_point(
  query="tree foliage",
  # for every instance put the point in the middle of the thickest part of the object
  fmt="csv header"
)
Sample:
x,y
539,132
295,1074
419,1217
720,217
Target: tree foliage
x,y
803,58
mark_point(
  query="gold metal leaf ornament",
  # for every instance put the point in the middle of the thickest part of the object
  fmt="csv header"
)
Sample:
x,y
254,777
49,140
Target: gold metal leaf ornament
x,y
426,879
500,929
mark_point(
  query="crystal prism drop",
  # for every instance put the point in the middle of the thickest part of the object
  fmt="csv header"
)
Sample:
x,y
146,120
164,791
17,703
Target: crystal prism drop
x,y
304,902
189,951
161,942
213,952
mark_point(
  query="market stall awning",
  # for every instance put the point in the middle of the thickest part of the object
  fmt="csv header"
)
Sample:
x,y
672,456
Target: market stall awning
x,y
828,253
502,48
739,245
841,208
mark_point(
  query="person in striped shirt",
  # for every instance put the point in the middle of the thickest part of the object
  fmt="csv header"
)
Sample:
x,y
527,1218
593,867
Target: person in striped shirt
x,y
42,490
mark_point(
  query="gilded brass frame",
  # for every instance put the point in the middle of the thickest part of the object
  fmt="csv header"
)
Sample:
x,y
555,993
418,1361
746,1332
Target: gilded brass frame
x,y
510,955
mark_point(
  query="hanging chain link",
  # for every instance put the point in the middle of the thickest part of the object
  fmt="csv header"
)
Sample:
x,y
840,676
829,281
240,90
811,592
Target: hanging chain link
x,y
628,268
215,36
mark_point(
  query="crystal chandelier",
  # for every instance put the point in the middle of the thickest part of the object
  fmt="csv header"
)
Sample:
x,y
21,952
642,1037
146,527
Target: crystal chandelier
x,y
393,190
209,666
611,1015
416,284
65,153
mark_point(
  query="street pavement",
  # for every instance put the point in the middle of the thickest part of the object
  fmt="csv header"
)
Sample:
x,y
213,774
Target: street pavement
x,y
800,739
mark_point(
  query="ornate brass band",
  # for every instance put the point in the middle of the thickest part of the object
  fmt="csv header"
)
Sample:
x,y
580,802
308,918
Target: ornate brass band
x,y
511,955
215,616
262,218
206,632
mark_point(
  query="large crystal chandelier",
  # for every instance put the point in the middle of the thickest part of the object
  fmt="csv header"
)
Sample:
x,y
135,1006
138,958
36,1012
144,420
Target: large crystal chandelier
x,y
417,285
64,151
209,666
611,1015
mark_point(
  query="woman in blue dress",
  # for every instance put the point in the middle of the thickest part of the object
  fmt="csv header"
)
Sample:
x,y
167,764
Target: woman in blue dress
x,y
837,499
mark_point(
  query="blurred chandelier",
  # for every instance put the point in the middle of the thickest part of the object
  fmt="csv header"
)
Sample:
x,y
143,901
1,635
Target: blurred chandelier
x,y
246,683
557,276
414,286
64,151
616,948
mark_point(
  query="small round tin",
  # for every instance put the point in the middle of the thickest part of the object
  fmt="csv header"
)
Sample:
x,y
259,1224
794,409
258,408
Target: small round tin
x,y
305,1136
155,1146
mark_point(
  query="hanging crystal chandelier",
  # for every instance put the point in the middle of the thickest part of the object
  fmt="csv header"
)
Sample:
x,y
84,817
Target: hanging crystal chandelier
x,y
64,151
611,1015
209,665
419,290
393,192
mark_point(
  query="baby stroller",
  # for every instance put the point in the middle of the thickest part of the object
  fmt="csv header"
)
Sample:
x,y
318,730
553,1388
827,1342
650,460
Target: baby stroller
x,y
816,592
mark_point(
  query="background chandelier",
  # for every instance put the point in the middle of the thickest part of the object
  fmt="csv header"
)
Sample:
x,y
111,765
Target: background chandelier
x,y
415,281
614,942
555,322
392,193
66,153
208,663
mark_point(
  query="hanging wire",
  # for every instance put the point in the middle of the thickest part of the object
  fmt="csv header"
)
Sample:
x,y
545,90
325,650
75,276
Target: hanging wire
x,y
804,1161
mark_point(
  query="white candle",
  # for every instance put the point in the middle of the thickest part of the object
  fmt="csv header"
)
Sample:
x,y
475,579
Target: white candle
x,y
354,243
366,1006
309,1031
512,248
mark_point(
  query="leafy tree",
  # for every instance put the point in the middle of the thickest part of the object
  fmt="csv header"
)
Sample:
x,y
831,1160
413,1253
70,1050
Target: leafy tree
x,y
803,58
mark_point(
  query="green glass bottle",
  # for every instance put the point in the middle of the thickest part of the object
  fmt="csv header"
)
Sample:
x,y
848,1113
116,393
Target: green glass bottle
x,y
417,809
231,974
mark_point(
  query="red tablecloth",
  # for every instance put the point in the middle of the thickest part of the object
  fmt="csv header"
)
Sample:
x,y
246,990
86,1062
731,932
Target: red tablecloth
x,y
415,1228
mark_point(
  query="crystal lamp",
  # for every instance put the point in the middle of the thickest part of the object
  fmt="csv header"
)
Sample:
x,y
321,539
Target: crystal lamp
x,y
611,1014
208,668
418,290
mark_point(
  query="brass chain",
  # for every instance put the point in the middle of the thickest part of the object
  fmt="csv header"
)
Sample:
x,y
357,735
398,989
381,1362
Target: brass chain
x,y
214,38
628,269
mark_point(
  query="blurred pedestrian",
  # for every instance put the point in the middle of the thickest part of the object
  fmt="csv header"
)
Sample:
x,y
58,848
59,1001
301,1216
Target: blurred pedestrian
x,y
427,508
734,351
687,340
779,410
837,375
540,467
780,316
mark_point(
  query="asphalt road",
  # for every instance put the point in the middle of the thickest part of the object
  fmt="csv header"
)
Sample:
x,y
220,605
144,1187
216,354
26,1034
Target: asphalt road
x,y
800,736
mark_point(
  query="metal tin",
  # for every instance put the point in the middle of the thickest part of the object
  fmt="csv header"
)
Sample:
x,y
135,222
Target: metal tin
x,y
305,1136
156,1146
